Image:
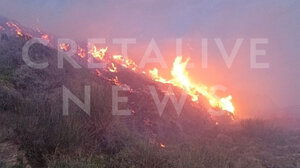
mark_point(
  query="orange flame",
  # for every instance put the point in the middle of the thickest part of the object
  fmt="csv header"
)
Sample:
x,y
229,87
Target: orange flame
x,y
113,68
180,78
64,46
98,53
46,37
81,52
15,27
125,62
162,145
156,77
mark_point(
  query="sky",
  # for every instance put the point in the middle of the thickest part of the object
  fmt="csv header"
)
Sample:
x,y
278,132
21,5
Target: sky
x,y
255,91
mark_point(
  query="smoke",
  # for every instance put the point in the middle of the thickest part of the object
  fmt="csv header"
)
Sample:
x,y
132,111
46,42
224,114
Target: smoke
x,y
254,90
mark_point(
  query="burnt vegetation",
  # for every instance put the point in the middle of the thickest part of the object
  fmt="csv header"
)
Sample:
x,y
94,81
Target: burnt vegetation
x,y
31,117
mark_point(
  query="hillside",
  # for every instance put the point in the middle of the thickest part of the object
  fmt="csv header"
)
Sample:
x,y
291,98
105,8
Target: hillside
x,y
32,119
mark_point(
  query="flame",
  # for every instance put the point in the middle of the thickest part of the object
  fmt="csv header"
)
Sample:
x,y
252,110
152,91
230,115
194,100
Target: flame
x,y
113,68
162,145
81,52
98,53
116,81
156,77
125,62
64,46
46,37
15,27
180,78
133,112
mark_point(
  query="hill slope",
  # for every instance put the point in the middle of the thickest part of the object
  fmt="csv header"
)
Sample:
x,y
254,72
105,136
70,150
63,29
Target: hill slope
x,y
31,117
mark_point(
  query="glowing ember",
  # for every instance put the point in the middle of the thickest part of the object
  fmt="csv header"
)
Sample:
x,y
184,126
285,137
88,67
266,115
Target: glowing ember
x,y
125,62
133,112
113,68
162,145
64,46
98,53
116,81
81,52
180,78
15,27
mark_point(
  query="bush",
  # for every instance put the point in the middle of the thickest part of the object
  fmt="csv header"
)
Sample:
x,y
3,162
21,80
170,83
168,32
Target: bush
x,y
261,130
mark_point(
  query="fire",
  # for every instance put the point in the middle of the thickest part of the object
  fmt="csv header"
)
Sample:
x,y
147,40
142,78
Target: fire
x,y
125,62
64,46
15,27
133,112
81,52
113,68
116,81
162,145
98,53
180,78
46,37
156,77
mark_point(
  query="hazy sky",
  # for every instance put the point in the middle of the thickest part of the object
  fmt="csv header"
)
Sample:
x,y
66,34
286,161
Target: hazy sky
x,y
254,90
